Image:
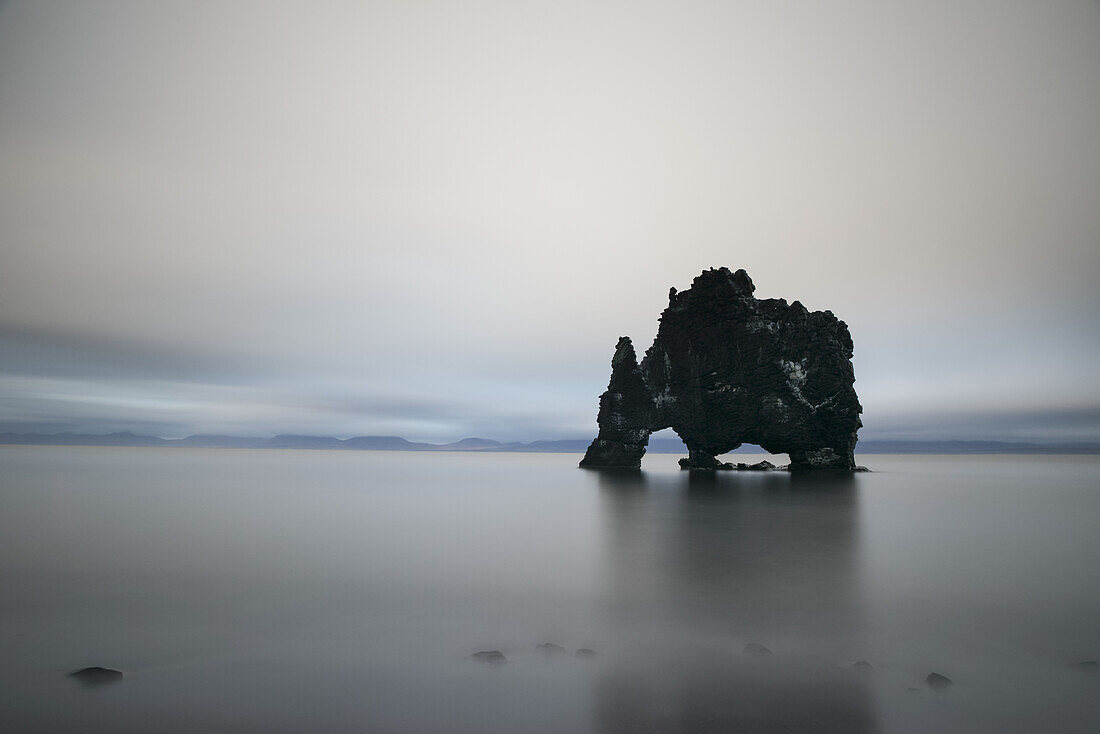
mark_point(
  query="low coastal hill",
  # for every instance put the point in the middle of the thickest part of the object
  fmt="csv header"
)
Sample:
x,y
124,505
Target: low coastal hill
x,y
578,445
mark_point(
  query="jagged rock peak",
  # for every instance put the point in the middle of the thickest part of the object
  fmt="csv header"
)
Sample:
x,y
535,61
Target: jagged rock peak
x,y
624,353
718,278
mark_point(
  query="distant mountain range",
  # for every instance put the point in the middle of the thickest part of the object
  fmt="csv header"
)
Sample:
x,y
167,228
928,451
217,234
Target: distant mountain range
x,y
570,446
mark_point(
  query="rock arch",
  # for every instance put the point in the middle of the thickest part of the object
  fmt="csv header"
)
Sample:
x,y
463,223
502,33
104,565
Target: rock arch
x,y
726,369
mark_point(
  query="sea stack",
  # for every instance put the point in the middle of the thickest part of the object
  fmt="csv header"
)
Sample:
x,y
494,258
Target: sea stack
x,y
727,369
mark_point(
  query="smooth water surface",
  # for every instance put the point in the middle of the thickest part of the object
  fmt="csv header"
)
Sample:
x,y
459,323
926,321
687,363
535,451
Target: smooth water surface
x,y
344,591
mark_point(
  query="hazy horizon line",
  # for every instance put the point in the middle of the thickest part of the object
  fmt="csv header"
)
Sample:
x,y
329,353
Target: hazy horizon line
x,y
666,441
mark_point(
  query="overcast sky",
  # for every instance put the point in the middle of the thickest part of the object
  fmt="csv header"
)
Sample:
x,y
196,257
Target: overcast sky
x,y
434,219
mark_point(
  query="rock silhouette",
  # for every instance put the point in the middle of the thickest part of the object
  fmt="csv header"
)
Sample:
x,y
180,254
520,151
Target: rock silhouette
x,y
938,682
727,369
96,676
1087,666
756,650
492,657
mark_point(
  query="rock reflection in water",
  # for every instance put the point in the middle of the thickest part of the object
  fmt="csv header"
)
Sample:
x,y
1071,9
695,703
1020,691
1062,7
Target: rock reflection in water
x,y
699,568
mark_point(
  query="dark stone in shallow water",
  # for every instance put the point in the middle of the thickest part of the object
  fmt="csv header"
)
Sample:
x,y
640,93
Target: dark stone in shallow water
x,y
938,682
727,369
757,650
714,465
584,652
490,656
862,665
96,676
549,649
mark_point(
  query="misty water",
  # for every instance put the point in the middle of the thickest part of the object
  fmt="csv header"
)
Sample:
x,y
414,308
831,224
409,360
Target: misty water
x,y
345,591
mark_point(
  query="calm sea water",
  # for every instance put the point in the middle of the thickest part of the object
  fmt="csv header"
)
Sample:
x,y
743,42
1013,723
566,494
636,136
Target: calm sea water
x,y
344,591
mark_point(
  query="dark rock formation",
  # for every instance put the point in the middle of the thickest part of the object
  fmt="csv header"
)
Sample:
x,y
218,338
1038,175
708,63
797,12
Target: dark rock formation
x,y
758,466
726,369
489,656
96,676
584,652
938,682
627,414
549,649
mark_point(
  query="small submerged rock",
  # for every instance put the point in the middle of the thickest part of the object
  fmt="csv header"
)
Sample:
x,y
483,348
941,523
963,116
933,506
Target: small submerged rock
x,y
862,665
938,682
584,652
96,676
549,649
758,466
756,650
709,464
491,657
